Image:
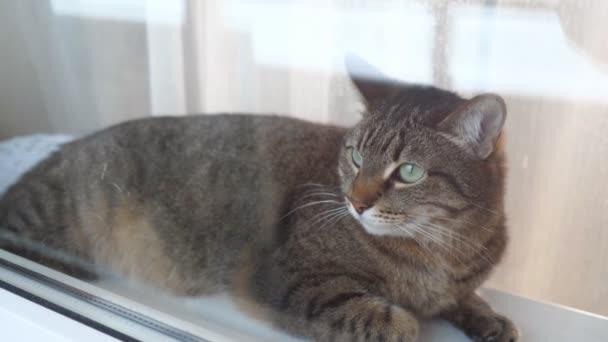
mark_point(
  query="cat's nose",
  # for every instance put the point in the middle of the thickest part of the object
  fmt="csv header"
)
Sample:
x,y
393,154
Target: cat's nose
x,y
365,192
360,207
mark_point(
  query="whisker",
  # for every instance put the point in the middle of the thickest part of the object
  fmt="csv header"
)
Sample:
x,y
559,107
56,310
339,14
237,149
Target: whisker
x,y
460,237
483,208
440,243
308,205
451,219
420,231
420,242
317,185
318,194
463,240
324,215
346,214
335,218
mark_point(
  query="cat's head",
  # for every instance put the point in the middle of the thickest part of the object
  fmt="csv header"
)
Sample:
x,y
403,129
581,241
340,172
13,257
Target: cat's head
x,y
422,159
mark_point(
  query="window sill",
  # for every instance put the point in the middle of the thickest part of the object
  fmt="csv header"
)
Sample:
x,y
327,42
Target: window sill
x,y
111,308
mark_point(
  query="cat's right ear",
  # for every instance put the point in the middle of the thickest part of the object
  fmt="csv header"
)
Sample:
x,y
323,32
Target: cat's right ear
x,y
477,124
371,83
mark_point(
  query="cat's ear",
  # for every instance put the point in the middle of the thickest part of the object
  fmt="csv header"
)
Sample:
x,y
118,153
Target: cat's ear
x,y
477,124
371,83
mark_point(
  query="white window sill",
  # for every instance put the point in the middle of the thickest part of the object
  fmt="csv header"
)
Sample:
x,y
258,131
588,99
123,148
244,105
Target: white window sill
x,y
216,318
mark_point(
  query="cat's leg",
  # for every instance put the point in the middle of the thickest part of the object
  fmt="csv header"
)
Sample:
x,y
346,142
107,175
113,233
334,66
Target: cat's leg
x,y
477,320
340,309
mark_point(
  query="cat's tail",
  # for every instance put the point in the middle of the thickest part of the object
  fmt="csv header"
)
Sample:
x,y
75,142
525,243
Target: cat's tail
x,y
15,223
29,228
8,228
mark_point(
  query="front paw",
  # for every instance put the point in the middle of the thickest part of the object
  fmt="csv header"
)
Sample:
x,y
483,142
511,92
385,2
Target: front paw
x,y
493,329
375,320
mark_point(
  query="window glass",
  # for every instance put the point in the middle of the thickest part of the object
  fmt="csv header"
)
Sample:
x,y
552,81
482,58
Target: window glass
x,y
190,157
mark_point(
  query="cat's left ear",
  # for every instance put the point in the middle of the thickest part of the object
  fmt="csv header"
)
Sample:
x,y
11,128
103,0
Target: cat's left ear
x,y
372,84
477,124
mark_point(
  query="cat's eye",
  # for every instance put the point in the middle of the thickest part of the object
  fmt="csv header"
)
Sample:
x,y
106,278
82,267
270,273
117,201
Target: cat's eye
x,y
357,157
410,173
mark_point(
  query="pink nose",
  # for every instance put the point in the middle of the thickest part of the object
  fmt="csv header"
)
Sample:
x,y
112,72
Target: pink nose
x,y
360,207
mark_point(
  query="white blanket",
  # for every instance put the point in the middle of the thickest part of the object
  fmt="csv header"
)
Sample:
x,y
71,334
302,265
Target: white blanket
x,y
19,154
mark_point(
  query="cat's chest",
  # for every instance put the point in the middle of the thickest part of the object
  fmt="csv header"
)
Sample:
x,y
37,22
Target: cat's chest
x,y
425,289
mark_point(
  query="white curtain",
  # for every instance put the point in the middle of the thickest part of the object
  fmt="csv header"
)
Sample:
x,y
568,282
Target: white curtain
x,y
74,66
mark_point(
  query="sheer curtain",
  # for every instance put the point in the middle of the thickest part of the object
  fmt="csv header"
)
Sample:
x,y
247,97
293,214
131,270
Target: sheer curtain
x,y
73,66
88,64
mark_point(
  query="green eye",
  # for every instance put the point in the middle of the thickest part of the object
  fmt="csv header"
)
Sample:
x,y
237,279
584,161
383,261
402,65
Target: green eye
x,y
410,173
357,158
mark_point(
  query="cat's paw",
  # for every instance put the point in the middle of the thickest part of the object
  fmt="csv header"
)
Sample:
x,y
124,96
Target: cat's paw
x,y
378,321
494,329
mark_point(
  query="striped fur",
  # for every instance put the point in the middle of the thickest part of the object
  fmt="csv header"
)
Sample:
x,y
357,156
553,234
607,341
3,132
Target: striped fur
x,y
256,206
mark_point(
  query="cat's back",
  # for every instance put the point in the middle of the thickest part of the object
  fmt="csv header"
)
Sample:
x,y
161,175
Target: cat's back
x,y
185,191
189,163
208,167
208,135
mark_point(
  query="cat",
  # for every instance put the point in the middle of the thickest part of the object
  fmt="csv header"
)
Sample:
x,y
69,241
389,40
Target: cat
x,y
336,234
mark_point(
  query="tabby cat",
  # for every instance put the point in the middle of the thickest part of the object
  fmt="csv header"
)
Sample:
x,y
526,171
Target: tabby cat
x,y
337,234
